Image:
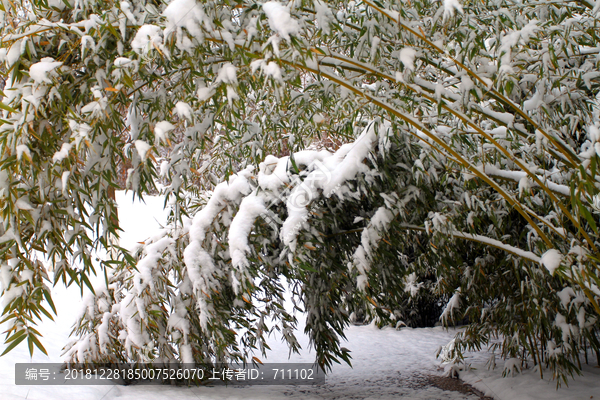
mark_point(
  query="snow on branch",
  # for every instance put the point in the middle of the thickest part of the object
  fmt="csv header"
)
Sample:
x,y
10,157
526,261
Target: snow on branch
x,y
518,176
528,255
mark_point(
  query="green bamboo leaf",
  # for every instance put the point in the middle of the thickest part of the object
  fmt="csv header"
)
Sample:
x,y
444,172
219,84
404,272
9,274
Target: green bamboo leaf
x,y
8,317
588,216
38,344
30,344
87,282
48,297
7,108
13,344
46,313
16,335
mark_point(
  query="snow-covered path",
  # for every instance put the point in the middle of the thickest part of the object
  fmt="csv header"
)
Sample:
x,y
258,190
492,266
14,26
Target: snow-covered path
x,y
386,364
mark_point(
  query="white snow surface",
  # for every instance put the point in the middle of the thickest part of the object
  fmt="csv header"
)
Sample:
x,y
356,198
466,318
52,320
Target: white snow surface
x,y
450,6
205,93
551,260
62,153
22,149
142,148
227,74
161,129
407,57
184,110
329,174
188,14
387,363
280,19
42,71
13,54
147,37
122,62
250,208
324,15
271,69
527,384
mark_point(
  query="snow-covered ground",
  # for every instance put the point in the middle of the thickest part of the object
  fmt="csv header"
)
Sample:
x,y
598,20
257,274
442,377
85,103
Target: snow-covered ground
x,y
528,384
386,363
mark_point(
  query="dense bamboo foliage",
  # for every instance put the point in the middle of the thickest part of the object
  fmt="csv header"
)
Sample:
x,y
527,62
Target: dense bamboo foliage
x,y
374,157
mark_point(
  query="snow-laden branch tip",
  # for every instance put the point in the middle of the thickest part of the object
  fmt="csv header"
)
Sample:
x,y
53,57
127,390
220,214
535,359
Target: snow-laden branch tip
x,y
280,19
528,255
450,7
43,71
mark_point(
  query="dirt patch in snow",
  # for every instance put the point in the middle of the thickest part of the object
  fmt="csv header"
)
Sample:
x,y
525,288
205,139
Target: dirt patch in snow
x,y
455,385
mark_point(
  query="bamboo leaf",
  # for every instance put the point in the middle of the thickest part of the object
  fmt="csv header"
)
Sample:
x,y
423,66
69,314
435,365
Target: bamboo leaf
x,y
14,344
